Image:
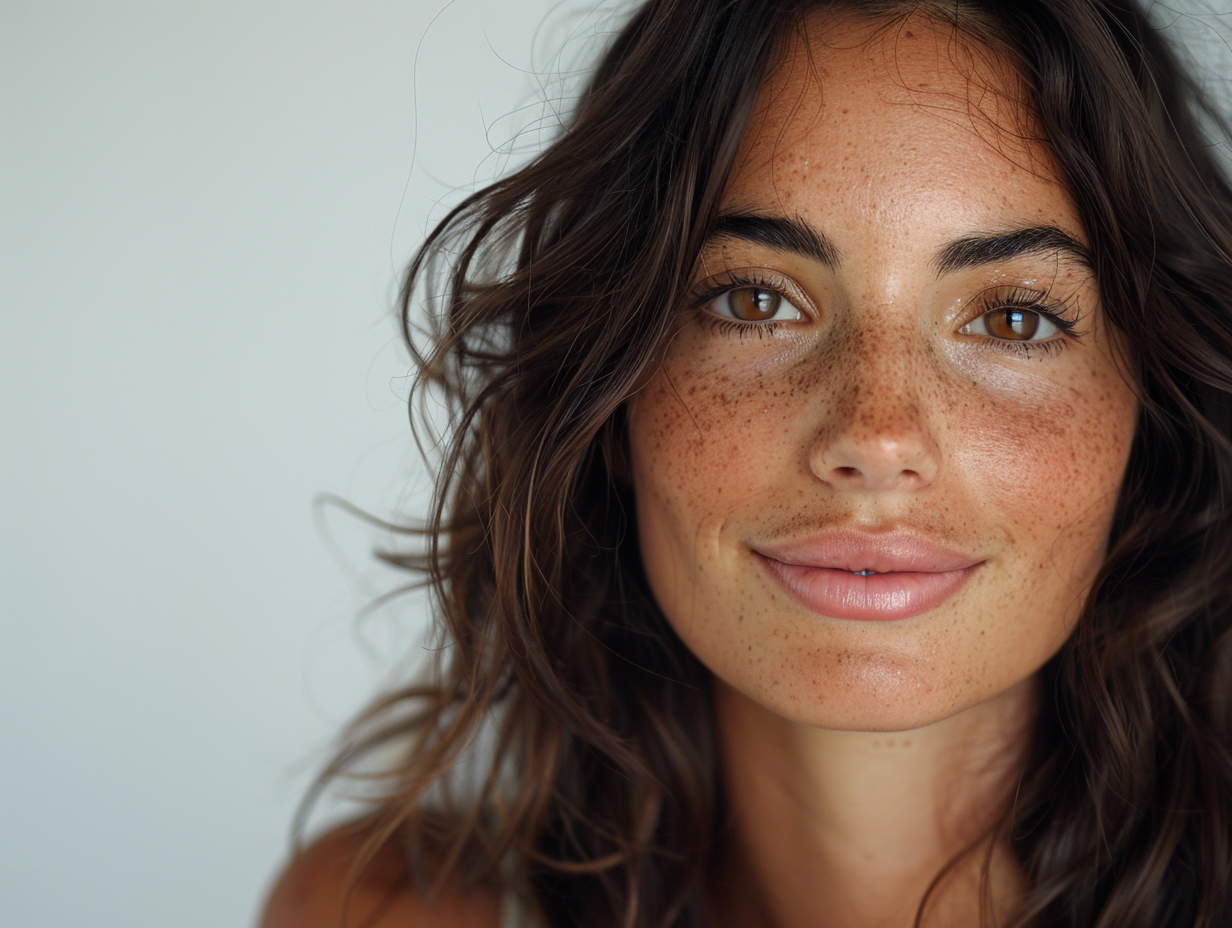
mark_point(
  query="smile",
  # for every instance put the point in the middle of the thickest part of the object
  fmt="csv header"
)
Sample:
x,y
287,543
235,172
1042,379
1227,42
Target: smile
x,y
899,574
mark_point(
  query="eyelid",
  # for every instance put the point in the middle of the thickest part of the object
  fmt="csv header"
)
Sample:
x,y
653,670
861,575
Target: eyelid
x,y
761,277
1007,296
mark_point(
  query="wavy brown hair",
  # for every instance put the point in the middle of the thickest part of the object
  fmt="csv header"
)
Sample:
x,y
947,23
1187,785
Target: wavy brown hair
x,y
562,742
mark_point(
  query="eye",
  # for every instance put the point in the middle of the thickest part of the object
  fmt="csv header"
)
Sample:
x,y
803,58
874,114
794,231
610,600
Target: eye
x,y
754,304
1011,323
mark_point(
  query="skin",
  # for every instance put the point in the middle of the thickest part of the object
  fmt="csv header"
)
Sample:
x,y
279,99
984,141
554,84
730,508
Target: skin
x,y
313,890
861,756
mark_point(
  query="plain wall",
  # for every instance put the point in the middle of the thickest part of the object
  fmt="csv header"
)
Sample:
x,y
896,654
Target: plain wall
x,y
206,209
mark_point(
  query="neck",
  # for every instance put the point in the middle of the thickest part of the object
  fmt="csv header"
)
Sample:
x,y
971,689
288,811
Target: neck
x,y
840,829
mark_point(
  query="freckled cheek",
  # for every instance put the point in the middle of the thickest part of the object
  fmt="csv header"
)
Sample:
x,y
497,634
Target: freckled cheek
x,y
1050,465
706,439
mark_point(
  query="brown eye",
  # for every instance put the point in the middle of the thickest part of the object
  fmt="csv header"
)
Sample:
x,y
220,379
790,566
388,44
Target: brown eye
x,y
1012,325
753,304
1017,324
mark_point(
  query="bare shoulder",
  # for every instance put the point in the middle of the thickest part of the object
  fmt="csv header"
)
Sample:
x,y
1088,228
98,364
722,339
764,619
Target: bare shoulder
x,y
311,892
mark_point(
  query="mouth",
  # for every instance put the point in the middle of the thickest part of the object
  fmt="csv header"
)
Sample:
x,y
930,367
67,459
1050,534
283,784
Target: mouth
x,y
867,576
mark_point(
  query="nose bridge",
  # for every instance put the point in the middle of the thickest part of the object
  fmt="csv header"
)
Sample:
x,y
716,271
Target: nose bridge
x,y
890,373
875,433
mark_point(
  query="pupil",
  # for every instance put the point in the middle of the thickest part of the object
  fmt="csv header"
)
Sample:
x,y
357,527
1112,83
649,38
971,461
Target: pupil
x,y
1022,323
754,304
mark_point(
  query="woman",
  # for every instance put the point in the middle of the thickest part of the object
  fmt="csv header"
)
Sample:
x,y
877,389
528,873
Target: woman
x,y
835,529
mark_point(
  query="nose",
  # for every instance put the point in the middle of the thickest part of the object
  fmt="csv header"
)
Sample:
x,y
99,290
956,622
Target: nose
x,y
875,436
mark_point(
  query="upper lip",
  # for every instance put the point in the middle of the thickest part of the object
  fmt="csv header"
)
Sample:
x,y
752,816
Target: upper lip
x,y
855,549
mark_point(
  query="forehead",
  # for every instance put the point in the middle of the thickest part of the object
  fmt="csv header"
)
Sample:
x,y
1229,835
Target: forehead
x,y
904,123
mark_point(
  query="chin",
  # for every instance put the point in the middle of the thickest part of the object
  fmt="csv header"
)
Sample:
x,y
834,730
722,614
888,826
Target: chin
x,y
863,685
846,692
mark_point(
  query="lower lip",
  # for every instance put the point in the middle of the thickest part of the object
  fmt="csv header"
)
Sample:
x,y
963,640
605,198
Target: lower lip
x,y
842,594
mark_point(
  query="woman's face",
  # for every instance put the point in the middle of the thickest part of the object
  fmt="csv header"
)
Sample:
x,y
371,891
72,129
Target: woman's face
x,y
876,470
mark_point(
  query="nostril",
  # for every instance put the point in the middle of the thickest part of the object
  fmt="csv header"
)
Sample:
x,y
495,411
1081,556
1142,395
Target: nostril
x,y
887,463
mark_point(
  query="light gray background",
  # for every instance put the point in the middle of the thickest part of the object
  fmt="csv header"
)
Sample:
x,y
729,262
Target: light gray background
x,y
206,208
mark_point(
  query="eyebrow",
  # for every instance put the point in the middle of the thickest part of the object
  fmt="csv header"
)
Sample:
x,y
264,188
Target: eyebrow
x,y
785,233
781,233
989,248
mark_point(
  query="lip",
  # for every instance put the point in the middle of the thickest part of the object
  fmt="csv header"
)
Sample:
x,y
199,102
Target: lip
x,y
912,573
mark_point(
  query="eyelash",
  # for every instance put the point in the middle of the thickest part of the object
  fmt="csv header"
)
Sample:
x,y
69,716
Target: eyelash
x,y
1032,301
723,326
1015,298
